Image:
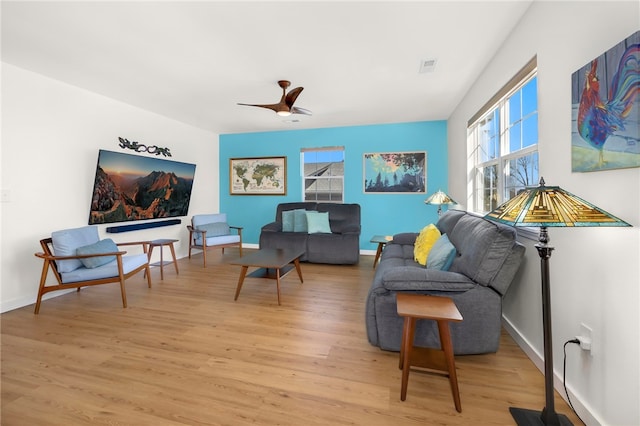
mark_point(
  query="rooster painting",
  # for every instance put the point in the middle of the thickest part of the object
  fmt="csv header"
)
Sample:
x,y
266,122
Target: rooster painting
x,y
607,110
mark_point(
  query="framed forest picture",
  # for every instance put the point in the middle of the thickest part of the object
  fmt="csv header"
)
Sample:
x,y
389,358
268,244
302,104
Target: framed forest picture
x,y
395,172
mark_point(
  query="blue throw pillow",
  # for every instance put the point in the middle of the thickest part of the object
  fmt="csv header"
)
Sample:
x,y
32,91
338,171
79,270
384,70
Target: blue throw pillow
x,y
318,223
287,221
215,229
103,246
442,254
299,220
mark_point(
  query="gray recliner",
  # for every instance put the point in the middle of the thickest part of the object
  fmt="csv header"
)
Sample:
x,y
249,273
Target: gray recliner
x,y
488,257
341,246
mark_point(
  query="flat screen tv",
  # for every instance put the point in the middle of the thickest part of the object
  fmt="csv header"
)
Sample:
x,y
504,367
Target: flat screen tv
x,y
131,187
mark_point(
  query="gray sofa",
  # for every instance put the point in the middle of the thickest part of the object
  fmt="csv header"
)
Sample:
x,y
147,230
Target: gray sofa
x,y
488,257
341,246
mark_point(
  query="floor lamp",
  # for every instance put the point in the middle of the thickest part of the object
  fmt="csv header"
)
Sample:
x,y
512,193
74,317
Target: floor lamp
x,y
543,207
439,198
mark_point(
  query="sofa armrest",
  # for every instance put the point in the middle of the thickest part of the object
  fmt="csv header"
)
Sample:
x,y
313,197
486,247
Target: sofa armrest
x,y
272,227
413,278
404,238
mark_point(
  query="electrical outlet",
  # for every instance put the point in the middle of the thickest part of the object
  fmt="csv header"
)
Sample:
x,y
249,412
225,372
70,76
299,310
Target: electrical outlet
x,y
586,337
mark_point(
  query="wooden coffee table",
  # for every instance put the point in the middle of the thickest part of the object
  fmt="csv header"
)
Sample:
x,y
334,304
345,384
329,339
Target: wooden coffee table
x,y
271,263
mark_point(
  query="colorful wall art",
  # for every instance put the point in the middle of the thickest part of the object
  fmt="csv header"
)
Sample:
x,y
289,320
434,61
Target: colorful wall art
x,y
605,130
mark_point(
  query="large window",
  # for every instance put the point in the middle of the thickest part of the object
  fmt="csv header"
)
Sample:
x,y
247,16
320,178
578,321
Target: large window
x,y
503,142
323,174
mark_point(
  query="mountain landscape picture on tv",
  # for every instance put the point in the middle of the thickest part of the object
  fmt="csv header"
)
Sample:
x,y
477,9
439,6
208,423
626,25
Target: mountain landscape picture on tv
x,y
130,187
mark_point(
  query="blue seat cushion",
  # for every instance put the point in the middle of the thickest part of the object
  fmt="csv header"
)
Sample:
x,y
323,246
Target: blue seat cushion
x,y
129,263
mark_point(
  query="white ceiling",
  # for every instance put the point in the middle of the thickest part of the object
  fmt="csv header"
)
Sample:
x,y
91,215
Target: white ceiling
x,y
194,61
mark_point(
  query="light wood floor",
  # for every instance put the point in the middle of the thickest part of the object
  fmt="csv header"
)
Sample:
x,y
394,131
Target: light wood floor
x,y
184,353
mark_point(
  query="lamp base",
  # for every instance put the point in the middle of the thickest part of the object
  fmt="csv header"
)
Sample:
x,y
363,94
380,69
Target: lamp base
x,y
524,417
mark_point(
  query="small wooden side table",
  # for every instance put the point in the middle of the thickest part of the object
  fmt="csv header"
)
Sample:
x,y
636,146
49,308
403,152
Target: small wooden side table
x,y
161,243
381,240
441,309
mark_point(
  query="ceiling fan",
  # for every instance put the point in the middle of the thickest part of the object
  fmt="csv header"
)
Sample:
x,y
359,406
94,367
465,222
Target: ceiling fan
x,y
285,106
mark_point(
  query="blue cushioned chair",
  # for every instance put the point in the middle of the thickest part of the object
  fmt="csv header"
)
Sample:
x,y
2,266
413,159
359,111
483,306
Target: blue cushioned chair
x,y
212,231
78,258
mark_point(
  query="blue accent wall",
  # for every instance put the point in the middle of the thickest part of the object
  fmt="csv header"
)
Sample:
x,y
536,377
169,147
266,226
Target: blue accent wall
x,y
384,214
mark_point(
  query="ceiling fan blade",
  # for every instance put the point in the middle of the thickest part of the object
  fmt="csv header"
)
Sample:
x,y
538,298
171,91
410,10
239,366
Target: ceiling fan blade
x,y
292,96
285,106
273,107
298,110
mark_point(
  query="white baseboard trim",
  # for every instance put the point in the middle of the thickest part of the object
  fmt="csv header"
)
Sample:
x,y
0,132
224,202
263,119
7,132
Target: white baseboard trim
x,y
21,302
585,413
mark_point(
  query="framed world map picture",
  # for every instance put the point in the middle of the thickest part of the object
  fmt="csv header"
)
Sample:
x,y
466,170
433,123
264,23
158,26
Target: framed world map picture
x,y
258,176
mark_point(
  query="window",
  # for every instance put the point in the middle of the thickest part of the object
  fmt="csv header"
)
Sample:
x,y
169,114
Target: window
x,y
323,174
503,141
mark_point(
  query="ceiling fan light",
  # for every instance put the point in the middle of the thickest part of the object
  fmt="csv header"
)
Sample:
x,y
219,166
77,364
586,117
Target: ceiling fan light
x,y
283,113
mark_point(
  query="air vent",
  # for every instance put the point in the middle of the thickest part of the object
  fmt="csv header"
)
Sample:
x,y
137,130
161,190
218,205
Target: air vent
x,y
427,65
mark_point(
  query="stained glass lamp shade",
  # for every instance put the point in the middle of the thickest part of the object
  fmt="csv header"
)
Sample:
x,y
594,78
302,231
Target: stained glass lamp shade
x,y
439,198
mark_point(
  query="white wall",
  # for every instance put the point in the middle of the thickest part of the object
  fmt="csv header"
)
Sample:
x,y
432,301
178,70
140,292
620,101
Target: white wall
x,y
595,273
51,134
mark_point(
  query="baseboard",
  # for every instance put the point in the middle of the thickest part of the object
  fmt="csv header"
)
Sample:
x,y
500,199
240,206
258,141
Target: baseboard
x,y
585,413
21,302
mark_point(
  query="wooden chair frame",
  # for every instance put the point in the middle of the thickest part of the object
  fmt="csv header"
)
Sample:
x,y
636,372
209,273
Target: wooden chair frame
x,y
50,262
193,234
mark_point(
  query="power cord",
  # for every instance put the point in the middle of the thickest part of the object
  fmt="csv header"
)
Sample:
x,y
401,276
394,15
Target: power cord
x,y
564,376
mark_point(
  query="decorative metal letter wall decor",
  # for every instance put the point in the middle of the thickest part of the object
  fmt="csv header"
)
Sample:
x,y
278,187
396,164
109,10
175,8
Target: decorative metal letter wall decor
x,y
395,172
258,176
138,147
605,97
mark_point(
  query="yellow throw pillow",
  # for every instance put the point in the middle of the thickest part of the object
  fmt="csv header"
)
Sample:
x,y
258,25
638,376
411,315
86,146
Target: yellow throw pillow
x,y
427,238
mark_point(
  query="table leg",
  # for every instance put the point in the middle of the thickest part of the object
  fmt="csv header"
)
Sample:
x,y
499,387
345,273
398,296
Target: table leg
x,y
149,253
278,283
378,253
406,362
173,254
447,347
243,272
161,264
297,263
405,337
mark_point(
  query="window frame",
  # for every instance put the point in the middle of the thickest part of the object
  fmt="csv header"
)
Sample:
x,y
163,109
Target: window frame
x,y
503,155
331,178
